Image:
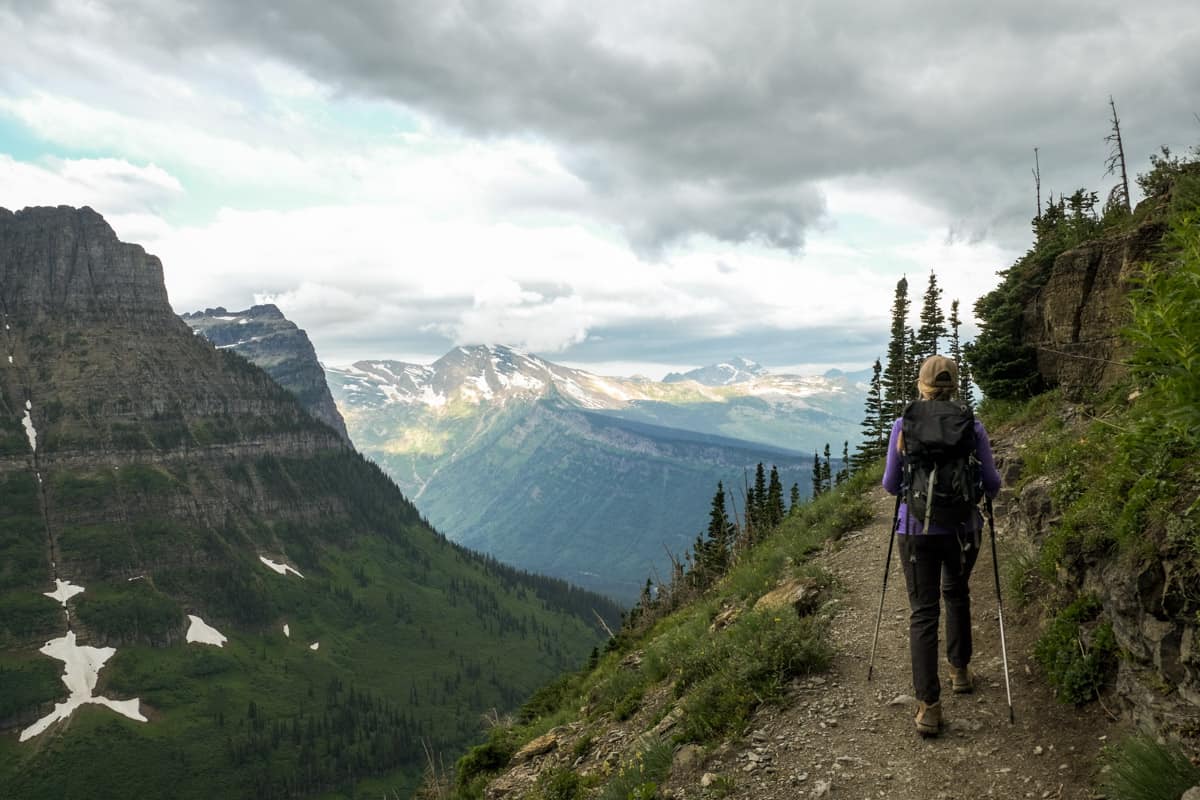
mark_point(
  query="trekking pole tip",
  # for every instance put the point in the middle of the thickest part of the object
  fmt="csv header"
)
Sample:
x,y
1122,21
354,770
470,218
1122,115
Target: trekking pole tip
x,y
1012,720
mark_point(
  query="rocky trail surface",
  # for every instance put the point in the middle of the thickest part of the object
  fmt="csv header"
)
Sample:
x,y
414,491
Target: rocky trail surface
x,y
842,736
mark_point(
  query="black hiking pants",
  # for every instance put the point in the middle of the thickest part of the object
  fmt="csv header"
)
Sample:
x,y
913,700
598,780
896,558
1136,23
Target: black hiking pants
x,y
937,564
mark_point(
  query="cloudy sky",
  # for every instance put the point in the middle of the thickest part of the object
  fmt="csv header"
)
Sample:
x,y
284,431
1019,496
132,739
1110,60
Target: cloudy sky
x,y
623,186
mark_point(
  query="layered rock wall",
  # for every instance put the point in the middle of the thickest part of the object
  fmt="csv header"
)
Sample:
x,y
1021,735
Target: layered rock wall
x,y
1074,322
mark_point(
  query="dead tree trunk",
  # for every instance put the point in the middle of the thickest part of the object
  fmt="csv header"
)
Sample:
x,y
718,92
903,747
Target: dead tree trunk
x,y
1116,158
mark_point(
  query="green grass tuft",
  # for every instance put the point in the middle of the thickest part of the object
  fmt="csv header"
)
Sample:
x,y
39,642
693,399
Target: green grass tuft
x,y
1142,769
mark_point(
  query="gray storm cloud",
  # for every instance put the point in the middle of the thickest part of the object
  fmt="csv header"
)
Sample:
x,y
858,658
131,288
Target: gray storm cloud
x,y
718,118
721,118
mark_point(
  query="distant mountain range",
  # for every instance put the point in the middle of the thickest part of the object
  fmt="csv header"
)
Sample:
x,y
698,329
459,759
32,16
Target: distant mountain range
x,y
737,370
577,475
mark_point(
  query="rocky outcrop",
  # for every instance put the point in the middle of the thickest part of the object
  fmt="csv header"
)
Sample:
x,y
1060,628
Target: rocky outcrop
x,y
266,338
1074,322
1152,610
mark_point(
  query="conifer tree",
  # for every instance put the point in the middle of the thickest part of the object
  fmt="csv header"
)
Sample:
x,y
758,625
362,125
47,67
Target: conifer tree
x,y
844,470
933,321
874,428
774,498
895,374
751,512
818,484
761,512
914,369
956,352
795,504
826,471
719,534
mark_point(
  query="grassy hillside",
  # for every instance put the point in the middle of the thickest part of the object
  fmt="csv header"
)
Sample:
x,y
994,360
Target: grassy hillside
x,y
697,660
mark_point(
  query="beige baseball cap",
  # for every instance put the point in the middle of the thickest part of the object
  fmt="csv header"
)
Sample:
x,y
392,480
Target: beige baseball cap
x,y
939,372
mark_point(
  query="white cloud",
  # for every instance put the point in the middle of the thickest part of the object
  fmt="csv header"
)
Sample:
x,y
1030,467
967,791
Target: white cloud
x,y
112,186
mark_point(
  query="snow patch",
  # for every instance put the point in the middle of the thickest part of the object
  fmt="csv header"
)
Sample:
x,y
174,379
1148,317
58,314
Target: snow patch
x,y
83,666
282,569
30,431
431,398
203,633
63,591
314,646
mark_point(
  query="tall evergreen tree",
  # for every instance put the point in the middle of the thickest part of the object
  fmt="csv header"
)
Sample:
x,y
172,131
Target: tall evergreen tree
x,y
844,470
720,533
933,321
895,375
914,369
827,471
956,352
761,500
752,523
774,498
818,484
795,504
874,430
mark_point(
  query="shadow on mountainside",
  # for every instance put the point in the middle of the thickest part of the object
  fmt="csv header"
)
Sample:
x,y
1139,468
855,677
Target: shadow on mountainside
x,y
841,736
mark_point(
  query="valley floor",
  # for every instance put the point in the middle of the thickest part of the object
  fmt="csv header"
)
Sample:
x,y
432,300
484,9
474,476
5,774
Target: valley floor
x,y
840,736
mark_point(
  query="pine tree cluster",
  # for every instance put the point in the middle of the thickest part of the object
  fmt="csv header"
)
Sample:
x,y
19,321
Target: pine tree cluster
x,y
894,386
717,548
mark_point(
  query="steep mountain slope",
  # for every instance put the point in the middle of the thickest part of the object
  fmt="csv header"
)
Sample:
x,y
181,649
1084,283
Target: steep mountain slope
x,y
531,461
270,341
243,604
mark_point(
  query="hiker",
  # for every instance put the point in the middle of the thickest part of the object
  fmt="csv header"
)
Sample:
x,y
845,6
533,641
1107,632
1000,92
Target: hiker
x,y
938,553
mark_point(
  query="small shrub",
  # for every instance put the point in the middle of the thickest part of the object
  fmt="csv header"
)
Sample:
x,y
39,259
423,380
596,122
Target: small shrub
x,y
481,761
1020,564
723,786
1075,669
582,746
639,778
559,784
1142,769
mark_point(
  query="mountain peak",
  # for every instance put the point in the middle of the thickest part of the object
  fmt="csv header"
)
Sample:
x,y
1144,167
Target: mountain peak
x,y
735,370
59,259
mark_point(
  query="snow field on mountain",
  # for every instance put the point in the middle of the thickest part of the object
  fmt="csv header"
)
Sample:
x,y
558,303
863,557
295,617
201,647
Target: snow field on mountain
x,y
201,632
83,665
27,421
282,569
63,591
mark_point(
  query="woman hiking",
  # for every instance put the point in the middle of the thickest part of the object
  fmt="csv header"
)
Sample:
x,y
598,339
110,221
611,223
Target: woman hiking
x,y
939,541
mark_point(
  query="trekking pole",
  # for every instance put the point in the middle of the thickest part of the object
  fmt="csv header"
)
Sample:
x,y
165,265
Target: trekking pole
x,y
1000,610
887,567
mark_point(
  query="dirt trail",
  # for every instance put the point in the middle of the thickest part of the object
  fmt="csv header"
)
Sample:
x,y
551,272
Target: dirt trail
x,y
840,736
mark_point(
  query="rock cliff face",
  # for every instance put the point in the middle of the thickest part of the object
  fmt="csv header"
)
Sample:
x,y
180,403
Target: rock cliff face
x,y
1075,321
82,270
269,340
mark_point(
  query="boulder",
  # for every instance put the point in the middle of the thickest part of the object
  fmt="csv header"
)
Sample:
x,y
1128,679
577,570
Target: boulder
x,y
802,594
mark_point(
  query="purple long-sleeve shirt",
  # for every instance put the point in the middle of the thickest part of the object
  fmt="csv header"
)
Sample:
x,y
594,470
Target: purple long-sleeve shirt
x,y
892,475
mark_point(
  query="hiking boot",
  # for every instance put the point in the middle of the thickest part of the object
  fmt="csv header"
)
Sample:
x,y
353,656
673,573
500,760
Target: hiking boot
x,y
929,718
961,680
